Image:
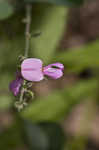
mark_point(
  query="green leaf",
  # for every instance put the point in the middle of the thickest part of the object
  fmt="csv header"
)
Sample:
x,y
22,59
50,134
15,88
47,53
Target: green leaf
x,y
50,136
55,106
80,58
15,134
5,102
5,95
61,2
34,135
6,9
50,22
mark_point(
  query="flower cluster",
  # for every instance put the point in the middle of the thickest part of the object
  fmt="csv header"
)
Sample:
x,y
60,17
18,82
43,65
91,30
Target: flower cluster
x,y
32,70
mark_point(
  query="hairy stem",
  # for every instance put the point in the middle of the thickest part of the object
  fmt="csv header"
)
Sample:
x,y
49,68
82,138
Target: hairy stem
x,y
27,44
27,32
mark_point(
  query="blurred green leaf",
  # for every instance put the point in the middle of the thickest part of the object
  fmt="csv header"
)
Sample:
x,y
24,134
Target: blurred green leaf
x,y
11,138
55,134
50,22
50,136
6,9
5,95
55,106
81,58
5,102
34,135
61,2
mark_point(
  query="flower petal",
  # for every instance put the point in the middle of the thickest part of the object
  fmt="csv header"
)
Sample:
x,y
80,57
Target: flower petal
x,y
32,63
35,75
53,72
31,69
15,86
58,65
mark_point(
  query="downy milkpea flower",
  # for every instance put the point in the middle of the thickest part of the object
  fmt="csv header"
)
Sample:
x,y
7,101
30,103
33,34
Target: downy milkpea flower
x,y
32,70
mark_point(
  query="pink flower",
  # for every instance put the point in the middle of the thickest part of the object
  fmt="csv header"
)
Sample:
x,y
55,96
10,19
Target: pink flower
x,y
32,70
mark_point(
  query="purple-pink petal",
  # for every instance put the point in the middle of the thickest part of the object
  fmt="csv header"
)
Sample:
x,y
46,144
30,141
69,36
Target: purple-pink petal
x,y
15,86
57,65
53,72
31,69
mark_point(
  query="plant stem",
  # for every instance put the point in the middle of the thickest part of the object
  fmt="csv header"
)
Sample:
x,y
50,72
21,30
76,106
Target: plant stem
x,y
27,45
22,93
27,32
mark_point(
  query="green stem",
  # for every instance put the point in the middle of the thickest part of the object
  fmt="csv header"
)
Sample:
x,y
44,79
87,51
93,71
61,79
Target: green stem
x,y
27,32
22,93
27,45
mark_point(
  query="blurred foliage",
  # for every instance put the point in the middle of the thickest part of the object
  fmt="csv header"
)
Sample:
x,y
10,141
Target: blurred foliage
x,y
50,20
55,106
51,30
62,2
11,137
4,5
12,5
50,136
76,60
